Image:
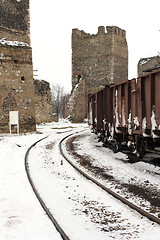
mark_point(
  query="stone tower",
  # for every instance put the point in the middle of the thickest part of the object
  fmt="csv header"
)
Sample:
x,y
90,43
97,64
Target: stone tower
x,y
97,60
16,71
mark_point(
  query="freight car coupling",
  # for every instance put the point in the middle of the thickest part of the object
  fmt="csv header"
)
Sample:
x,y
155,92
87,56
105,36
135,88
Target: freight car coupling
x,y
127,114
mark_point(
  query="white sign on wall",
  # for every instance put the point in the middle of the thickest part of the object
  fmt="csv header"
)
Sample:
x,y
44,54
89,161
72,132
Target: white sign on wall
x,y
13,120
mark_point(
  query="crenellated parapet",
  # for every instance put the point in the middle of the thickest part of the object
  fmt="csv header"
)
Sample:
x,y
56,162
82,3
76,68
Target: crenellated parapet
x,y
116,30
101,30
80,33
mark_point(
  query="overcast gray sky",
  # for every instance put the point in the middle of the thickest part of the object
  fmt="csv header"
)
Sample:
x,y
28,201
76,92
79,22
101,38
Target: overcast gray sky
x,y
52,23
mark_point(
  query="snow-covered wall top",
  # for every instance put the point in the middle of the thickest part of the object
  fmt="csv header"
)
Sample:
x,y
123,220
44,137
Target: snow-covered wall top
x,y
13,43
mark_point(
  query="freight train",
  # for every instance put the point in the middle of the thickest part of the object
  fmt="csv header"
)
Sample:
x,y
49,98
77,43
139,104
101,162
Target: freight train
x,y
128,113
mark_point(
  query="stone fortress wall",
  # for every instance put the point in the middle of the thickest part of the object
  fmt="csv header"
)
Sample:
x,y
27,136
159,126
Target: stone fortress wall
x,y
43,102
15,20
16,70
18,92
97,60
146,65
16,87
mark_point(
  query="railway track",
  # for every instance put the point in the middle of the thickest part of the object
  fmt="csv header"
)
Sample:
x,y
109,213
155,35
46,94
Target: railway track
x,y
44,206
117,196
47,210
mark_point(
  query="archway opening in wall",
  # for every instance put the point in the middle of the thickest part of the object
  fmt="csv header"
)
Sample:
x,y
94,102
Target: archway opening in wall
x,y
9,104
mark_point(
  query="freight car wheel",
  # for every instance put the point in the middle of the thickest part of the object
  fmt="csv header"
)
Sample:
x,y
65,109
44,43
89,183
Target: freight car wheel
x,y
140,147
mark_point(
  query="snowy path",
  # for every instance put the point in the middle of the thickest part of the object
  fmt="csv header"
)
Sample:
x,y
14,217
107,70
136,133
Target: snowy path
x,y
94,216
21,216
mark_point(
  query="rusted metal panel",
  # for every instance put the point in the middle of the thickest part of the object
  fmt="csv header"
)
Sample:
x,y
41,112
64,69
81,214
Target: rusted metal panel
x,y
107,109
133,109
111,106
146,103
129,107
157,97
124,105
155,103
91,111
139,107
120,106
137,117
99,110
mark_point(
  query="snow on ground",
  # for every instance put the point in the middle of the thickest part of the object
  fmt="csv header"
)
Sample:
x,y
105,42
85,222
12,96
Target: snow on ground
x,y
115,164
110,160
21,216
84,211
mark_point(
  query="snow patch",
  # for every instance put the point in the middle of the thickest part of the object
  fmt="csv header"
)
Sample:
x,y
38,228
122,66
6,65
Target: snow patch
x,y
153,120
136,123
144,61
130,123
13,43
116,112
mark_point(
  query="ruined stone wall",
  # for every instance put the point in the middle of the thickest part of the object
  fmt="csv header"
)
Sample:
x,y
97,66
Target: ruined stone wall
x,y
146,65
16,70
76,103
16,87
43,102
97,60
15,20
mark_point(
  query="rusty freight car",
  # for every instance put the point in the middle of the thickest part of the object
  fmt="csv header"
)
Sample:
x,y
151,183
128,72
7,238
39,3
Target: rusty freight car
x,y
147,120
129,112
96,111
99,110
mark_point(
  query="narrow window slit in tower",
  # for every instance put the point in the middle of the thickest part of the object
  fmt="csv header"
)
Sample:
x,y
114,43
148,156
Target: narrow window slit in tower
x,y
79,77
22,79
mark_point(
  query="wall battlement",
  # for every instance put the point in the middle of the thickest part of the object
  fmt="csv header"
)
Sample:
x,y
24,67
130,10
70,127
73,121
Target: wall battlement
x,y
116,30
101,30
80,33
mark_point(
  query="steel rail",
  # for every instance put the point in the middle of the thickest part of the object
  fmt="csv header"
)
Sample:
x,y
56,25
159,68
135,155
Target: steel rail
x,y
117,196
49,214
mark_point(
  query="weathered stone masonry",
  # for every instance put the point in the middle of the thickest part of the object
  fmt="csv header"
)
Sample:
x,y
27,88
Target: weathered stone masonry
x,y
97,60
146,65
16,87
16,71
15,20
43,102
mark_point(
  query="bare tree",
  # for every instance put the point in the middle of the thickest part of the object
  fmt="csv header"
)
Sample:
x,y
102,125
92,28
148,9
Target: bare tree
x,y
64,107
57,99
